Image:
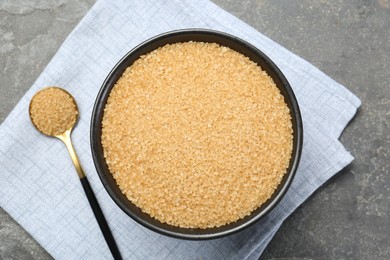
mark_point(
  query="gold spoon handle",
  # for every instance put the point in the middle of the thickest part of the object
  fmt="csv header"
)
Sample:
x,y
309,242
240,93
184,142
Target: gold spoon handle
x,y
65,137
97,211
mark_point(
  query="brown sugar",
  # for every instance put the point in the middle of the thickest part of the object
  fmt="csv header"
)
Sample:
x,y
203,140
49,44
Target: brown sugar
x,y
196,135
53,111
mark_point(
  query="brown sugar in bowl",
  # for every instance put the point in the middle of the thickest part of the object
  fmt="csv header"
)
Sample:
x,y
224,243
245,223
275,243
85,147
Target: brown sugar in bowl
x,y
173,170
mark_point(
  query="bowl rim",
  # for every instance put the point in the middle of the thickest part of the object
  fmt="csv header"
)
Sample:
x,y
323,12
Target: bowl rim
x,y
294,161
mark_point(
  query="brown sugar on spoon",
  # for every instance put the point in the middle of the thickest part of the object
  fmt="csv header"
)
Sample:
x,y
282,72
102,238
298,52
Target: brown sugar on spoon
x,y
196,135
53,111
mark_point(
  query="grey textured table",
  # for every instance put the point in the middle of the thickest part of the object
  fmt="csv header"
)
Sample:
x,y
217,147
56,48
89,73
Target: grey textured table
x,y
349,40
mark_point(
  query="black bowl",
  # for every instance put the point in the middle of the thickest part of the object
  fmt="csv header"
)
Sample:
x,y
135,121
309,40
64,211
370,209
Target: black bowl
x,y
199,35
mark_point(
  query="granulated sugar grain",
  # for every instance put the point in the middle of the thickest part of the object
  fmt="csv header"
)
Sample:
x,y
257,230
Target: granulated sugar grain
x,y
196,135
53,111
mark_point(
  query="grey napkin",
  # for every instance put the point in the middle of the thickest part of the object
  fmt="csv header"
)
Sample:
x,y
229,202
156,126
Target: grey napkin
x,y
40,189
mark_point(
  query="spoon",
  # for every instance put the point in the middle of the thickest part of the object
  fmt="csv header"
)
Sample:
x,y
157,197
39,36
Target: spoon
x,y
53,112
